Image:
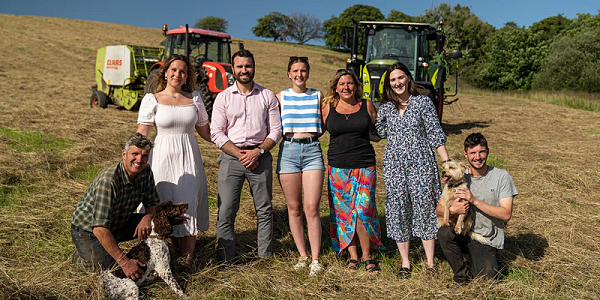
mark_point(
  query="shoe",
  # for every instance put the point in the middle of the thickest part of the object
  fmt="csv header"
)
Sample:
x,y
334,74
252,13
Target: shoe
x,y
432,270
456,285
315,268
374,269
301,263
404,273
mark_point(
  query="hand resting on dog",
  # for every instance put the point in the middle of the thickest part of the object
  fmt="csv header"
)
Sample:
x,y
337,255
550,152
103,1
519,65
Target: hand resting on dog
x,y
459,208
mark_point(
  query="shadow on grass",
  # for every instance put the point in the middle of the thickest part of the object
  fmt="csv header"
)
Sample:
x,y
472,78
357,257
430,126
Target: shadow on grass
x,y
530,246
457,129
246,244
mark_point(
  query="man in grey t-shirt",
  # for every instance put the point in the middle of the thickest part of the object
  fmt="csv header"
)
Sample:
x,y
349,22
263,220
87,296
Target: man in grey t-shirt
x,y
490,198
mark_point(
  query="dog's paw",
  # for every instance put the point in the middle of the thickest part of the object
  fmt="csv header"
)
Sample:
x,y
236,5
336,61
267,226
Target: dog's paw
x,y
458,229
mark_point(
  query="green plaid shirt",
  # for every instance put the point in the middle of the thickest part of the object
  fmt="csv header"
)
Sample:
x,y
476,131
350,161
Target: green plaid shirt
x,y
111,198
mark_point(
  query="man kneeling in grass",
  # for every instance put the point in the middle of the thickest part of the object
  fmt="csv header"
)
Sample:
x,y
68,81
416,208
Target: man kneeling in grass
x,y
490,196
105,216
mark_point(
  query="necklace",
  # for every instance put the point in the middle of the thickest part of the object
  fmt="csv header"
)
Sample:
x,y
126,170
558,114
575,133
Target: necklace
x,y
174,95
351,105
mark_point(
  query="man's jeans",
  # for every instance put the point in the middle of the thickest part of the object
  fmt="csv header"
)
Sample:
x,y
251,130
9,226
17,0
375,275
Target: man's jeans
x,y
92,253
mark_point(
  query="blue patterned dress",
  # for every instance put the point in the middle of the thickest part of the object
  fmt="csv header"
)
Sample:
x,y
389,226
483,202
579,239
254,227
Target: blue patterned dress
x,y
410,172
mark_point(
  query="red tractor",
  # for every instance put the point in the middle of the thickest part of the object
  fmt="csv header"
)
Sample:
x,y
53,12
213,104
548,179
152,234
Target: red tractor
x,y
208,51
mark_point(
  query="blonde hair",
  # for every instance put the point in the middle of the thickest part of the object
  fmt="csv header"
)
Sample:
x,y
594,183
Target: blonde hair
x,y
332,96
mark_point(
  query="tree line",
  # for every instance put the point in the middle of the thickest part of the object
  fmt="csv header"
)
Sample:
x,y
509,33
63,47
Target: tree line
x,y
555,53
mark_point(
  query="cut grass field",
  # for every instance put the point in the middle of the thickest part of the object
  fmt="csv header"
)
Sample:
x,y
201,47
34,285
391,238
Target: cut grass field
x,y
52,144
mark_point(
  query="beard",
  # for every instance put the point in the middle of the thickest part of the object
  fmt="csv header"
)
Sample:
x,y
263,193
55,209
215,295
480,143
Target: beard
x,y
238,77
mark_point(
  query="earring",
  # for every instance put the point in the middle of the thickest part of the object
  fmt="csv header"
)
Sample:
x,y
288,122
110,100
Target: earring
x,y
165,77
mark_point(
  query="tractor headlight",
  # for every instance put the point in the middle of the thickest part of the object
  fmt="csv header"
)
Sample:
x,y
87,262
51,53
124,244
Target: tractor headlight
x,y
230,79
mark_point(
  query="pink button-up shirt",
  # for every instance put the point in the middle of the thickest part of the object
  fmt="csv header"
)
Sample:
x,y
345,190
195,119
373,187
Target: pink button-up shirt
x,y
245,120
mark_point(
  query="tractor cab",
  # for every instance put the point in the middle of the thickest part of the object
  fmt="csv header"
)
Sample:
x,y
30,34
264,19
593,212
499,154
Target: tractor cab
x,y
209,52
419,46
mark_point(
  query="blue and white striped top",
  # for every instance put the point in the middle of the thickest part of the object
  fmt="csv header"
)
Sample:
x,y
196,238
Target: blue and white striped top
x,y
301,112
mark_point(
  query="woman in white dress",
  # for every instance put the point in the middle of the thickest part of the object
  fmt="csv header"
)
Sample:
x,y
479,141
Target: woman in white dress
x,y
177,110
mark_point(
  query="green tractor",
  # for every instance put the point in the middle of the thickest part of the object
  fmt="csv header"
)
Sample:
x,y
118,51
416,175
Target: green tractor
x,y
121,73
419,46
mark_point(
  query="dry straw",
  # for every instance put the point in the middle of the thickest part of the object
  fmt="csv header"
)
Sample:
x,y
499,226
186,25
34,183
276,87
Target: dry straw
x,y
552,152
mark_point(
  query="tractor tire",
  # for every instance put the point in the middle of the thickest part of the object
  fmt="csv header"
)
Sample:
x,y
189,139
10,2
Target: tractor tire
x,y
150,78
207,97
440,96
202,87
98,99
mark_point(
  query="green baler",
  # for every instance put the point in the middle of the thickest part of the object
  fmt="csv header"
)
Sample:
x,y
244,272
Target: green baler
x,y
121,73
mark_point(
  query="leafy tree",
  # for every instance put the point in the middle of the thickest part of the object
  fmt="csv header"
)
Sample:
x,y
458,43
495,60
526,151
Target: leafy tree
x,y
212,23
334,26
304,27
550,27
583,22
464,31
513,55
275,25
573,61
398,16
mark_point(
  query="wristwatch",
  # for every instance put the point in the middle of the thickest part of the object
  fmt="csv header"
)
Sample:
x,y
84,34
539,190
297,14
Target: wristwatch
x,y
261,150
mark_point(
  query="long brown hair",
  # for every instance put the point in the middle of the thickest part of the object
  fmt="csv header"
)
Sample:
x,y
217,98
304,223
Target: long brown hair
x,y
160,83
332,96
388,92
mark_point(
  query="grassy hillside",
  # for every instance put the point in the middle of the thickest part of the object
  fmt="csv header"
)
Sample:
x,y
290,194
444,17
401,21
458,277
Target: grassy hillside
x,y
52,145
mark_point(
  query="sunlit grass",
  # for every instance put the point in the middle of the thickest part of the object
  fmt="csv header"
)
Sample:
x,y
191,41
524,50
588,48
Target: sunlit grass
x,y
86,173
28,141
573,99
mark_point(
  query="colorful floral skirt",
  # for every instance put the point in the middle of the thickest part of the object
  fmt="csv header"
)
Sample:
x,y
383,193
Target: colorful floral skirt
x,y
352,195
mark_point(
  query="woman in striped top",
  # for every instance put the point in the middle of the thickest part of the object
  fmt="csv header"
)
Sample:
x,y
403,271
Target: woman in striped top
x,y
300,164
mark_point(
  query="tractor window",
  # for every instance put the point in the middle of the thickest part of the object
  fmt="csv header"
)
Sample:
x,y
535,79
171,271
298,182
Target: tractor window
x,y
203,48
392,43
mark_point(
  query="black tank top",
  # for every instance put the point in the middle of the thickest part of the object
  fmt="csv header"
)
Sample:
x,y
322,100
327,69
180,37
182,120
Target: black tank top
x,y
349,143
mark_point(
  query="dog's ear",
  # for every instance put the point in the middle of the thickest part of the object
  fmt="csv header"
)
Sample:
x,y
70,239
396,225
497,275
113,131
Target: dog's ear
x,y
463,166
162,225
162,206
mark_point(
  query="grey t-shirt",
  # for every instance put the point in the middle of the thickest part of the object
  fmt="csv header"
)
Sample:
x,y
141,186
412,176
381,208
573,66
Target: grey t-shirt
x,y
490,188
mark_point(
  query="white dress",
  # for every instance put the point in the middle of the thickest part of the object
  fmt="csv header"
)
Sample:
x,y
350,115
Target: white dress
x,y
176,161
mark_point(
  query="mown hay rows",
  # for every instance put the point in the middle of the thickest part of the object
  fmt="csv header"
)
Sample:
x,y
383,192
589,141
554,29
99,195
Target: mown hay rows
x,y
551,152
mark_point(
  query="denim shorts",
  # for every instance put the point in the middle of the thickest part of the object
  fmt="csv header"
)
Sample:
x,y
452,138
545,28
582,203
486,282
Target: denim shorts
x,y
295,157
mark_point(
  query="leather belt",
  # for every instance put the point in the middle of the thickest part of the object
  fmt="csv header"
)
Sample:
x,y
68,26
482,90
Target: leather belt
x,y
302,140
248,147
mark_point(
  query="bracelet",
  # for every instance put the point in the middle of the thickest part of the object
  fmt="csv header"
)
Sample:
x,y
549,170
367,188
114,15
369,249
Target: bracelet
x,y
121,258
447,160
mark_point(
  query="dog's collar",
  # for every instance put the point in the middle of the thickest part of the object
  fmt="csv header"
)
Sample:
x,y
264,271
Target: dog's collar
x,y
456,184
152,236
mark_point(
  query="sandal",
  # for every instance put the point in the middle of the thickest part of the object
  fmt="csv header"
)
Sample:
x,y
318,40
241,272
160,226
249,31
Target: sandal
x,y
352,265
404,273
374,268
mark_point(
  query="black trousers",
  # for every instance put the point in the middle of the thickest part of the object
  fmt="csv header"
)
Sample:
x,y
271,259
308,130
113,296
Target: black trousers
x,y
484,259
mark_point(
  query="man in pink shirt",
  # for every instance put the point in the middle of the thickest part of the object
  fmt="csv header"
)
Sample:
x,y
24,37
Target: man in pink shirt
x,y
246,124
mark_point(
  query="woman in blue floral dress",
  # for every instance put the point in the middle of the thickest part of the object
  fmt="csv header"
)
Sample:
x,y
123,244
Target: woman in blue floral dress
x,y
412,128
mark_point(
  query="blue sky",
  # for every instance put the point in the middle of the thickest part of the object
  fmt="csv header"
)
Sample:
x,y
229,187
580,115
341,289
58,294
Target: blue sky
x,y
242,15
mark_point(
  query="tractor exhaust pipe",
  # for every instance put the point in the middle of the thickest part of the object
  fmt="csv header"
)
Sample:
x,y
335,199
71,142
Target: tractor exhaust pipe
x,y
354,49
187,42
